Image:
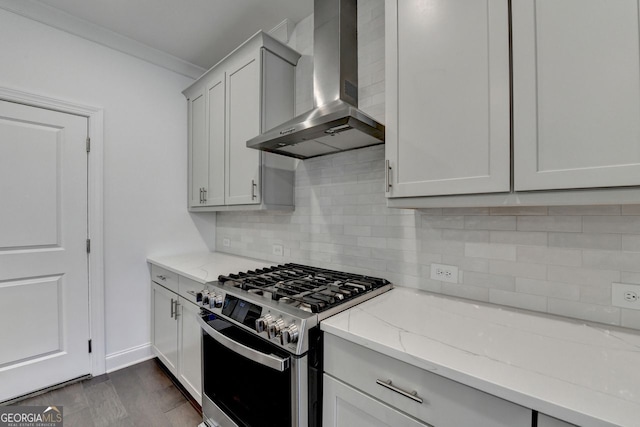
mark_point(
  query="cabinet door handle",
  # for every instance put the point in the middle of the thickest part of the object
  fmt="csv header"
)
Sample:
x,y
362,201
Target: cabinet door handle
x,y
253,189
204,195
175,311
171,307
387,176
201,195
388,384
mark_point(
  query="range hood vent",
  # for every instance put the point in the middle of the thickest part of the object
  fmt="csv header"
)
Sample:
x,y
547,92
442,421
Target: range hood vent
x,y
335,123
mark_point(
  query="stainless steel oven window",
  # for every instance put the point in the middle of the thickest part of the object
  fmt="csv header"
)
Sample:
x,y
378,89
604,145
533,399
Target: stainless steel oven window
x,y
235,377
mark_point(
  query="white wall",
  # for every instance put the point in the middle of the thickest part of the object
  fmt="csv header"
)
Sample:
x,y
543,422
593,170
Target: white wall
x,y
145,157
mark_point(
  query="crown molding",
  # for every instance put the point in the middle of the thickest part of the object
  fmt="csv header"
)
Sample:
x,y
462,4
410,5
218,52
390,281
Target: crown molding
x,y
79,27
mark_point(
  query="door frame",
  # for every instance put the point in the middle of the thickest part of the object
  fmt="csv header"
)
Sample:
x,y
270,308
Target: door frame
x,y
95,201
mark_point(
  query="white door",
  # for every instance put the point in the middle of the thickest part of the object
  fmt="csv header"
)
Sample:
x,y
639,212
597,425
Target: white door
x,y
576,93
243,123
44,308
447,108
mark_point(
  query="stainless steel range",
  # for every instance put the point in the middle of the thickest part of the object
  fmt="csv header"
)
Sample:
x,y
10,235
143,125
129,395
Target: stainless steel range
x,y
262,346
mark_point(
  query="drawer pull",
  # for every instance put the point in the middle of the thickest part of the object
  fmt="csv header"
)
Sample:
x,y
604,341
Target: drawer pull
x,y
161,277
411,395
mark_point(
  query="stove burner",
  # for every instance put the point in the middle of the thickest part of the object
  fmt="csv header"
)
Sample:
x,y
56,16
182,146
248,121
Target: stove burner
x,y
307,288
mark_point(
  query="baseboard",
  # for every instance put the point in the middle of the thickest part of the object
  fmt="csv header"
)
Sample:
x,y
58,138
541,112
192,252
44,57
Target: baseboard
x,y
128,357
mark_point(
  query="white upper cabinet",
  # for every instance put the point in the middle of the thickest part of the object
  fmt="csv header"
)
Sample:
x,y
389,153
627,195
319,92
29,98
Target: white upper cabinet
x,y
248,92
447,71
576,89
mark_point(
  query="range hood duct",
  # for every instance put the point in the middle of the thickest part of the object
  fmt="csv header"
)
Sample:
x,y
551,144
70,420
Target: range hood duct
x,y
335,123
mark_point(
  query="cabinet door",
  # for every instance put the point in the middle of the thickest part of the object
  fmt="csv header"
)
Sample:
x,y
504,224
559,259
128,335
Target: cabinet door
x,y
164,329
344,406
243,123
198,149
576,90
448,120
215,140
190,344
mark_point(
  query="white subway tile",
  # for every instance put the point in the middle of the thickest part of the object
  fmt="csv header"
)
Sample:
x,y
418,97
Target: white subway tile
x,y
630,209
550,223
427,259
443,247
535,238
442,222
490,222
490,251
372,242
612,260
630,318
513,299
596,295
553,256
431,211
585,240
404,268
518,269
631,243
548,289
403,244
467,264
582,276
629,277
611,224
585,210
357,230
465,211
427,284
592,312
357,251
477,236
463,291
519,210
395,255
484,280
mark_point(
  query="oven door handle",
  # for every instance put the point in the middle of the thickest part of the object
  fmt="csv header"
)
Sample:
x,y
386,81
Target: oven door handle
x,y
267,360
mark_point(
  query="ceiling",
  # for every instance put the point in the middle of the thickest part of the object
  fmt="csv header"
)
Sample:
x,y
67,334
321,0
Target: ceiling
x,y
200,32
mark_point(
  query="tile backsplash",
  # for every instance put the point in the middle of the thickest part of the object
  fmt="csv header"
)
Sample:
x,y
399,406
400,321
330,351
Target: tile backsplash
x,y
559,260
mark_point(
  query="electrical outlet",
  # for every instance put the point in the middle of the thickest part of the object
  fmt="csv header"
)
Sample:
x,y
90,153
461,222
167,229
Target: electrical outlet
x,y
444,273
226,242
625,295
277,250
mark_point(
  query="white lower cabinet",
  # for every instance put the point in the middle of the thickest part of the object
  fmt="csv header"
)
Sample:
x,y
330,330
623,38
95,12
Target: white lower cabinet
x,y
164,330
375,389
344,406
175,332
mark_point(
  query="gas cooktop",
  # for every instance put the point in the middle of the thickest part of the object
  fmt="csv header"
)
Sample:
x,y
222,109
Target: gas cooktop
x,y
282,303
310,289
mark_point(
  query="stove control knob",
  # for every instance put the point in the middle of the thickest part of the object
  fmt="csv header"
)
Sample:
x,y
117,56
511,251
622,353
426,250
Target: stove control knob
x,y
217,301
289,335
274,328
262,323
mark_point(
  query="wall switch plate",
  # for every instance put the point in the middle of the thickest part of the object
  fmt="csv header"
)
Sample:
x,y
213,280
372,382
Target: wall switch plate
x,y
226,242
625,295
277,250
444,273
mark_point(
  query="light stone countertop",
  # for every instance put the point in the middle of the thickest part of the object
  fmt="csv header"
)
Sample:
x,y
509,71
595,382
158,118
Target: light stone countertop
x,y
207,266
585,374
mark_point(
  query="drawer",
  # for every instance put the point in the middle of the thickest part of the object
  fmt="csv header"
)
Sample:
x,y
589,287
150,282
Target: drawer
x,y
188,288
446,403
164,277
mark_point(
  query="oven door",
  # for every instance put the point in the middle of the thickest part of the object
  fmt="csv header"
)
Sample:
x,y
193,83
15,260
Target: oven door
x,y
249,381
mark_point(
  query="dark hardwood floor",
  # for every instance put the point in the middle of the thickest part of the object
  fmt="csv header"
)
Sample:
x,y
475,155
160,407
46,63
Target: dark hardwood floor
x,y
141,395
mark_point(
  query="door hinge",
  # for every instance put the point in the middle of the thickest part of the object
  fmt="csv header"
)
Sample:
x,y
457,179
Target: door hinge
x,y
89,346
88,144
88,245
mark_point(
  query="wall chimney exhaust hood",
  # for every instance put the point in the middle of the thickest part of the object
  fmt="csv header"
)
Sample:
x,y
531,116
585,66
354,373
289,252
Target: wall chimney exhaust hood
x,y
335,123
